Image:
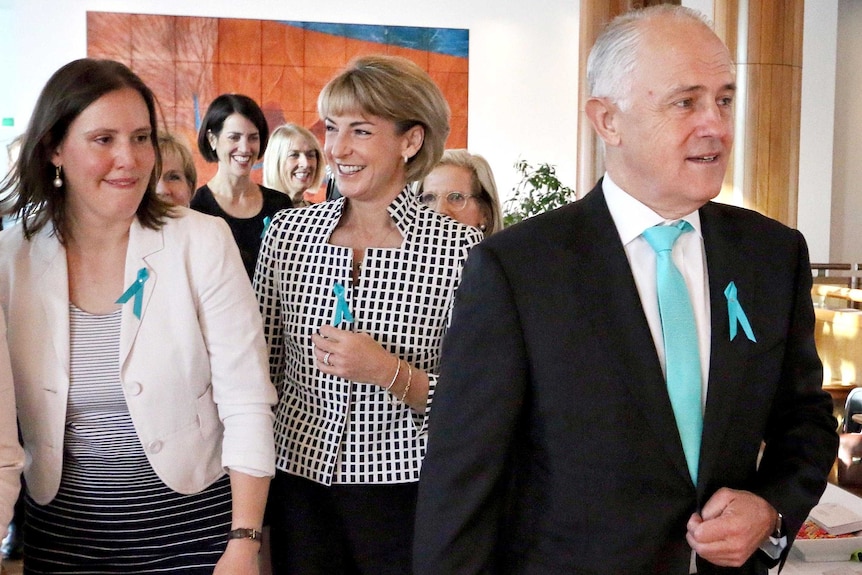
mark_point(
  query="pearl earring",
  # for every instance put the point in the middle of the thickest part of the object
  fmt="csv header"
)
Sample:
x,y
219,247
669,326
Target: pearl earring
x,y
58,181
406,159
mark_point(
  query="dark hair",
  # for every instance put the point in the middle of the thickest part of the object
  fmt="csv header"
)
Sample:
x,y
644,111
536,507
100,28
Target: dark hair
x,y
28,188
218,112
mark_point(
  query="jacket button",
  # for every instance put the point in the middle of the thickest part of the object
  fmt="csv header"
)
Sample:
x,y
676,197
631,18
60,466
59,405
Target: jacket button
x,y
154,446
134,388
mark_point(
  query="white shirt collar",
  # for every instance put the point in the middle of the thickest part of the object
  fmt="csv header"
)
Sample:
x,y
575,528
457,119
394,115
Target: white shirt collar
x,y
632,217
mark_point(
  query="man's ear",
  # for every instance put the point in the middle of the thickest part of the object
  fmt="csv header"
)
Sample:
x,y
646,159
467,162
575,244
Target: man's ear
x,y
603,115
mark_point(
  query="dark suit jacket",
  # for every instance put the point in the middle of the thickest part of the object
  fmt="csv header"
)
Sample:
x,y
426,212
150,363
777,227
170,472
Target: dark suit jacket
x,y
553,447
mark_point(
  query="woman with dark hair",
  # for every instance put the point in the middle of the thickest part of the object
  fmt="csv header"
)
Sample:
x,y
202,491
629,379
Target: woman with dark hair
x,y
234,133
356,294
138,357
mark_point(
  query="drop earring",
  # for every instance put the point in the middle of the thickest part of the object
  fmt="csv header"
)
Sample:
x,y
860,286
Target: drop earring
x,y
58,181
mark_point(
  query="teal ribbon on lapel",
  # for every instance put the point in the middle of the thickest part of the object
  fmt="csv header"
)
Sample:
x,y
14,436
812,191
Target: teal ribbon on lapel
x,y
137,290
342,311
736,314
266,221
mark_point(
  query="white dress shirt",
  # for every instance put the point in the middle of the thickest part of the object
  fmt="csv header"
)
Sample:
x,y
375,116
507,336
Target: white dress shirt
x,y
631,218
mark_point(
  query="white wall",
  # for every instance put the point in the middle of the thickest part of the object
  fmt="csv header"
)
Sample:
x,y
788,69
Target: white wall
x,y
846,241
819,43
523,81
523,60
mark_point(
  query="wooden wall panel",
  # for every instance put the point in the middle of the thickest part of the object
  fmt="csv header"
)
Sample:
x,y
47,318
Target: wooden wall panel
x,y
772,69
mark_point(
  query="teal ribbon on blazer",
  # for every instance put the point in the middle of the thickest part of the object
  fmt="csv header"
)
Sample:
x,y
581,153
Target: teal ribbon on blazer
x,y
137,290
266,221
679,333
342,311
736,315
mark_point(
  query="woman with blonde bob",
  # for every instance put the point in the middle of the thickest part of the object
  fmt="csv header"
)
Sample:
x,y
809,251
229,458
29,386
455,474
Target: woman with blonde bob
x,y
457,178
292,162
355,295
179,176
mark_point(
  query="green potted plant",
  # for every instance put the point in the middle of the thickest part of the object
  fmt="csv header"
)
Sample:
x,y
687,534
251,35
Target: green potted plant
x,y
538,190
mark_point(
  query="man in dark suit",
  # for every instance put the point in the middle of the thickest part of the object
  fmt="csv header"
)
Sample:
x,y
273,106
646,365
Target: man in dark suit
x,y
554,445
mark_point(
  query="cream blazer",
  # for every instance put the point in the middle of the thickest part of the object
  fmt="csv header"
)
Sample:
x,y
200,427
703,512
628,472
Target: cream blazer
x,y
193,367
11,454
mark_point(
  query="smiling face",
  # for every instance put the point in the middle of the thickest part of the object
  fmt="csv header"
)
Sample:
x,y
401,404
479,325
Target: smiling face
x,y
299,166
366,154
237,146
670,145
173,187
107,156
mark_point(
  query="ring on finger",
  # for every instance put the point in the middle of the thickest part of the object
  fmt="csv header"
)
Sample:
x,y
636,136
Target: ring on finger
x,y
326,358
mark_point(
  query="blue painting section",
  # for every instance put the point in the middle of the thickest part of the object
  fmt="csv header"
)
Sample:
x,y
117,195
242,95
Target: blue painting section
x,y
449,41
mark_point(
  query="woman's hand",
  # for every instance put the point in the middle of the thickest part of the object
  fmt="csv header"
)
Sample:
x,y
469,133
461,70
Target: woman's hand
x,y
240,558
353,356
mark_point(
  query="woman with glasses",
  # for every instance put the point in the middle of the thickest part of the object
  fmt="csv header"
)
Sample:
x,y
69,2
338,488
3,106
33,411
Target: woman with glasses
x,y
462,187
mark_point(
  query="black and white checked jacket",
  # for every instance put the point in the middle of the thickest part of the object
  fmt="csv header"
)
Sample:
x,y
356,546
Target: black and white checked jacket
x,y
332,430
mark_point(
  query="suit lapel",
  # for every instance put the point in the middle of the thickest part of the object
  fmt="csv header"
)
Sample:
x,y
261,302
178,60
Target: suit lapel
x,y
725,263
613,302
53,279
142,243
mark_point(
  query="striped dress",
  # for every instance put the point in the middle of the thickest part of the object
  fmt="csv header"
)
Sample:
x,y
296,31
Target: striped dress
x,y
112,514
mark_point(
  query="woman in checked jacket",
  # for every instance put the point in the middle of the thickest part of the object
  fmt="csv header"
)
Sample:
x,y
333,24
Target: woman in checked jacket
x,y
356,295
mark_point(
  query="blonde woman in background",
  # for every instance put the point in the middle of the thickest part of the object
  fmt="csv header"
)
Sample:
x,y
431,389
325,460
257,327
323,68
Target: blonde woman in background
x,y
179,177
458,178
292,163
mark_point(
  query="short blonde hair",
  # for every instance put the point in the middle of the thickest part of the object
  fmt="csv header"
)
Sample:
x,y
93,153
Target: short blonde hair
x,y
280,142
169,143
484,187
396,89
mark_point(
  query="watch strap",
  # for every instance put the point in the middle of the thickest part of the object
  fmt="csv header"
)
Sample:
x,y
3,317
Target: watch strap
x,y
245,533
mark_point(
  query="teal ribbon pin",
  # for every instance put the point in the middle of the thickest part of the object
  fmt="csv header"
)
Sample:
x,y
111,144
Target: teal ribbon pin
x,y
137,290
736,314
266,221
342,312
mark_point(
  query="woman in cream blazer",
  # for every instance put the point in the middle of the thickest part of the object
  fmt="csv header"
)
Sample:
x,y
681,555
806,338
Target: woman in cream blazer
x,y
136,346
194,359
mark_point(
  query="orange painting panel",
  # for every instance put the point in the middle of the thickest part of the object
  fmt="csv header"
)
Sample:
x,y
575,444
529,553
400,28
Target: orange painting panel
x,y
188,61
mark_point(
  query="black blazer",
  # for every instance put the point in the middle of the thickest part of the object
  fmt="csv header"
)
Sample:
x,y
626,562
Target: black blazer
x,y
553,447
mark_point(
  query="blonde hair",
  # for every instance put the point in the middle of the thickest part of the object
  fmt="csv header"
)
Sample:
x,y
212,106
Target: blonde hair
x,y
482,182
280,142
169,143
398,90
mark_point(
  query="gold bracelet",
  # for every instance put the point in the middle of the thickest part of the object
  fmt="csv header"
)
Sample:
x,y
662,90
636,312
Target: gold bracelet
x,y
409,381
395,377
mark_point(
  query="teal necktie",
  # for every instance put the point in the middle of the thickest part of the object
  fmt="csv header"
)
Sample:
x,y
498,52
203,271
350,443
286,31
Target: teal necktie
x,y
682,355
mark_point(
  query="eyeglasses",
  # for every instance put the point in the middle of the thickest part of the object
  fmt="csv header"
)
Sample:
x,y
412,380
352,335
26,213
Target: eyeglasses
x,y
455,200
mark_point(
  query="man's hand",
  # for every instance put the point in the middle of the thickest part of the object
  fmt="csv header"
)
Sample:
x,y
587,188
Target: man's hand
x,y
731,527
